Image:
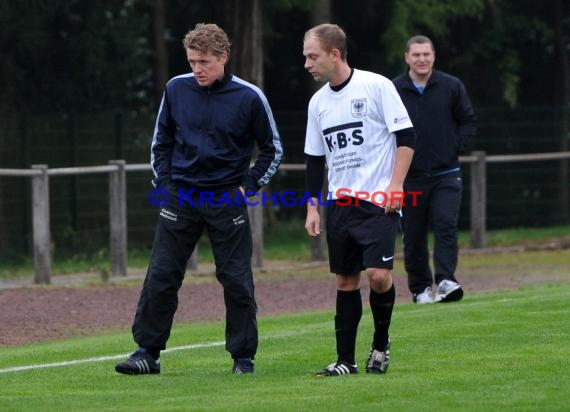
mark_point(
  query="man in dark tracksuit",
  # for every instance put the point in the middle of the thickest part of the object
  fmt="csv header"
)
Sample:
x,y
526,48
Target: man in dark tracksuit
x,y
207,126
444,120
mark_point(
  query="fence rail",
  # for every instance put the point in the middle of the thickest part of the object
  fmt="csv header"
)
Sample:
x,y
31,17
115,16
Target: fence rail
x,y
117,170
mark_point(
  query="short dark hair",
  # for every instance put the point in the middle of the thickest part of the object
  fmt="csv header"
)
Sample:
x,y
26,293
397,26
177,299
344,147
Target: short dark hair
x,y
419,39
331,37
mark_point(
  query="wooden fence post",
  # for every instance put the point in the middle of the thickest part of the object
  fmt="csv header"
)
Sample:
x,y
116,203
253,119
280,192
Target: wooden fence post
x,y
41,225
118,219
478,200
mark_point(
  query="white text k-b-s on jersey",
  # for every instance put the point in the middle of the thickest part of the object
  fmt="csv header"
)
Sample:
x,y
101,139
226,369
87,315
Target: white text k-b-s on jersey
x,y
354,128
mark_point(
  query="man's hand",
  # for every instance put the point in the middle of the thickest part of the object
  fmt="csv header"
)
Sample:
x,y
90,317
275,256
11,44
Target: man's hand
x,y
395,189
395,198
313,222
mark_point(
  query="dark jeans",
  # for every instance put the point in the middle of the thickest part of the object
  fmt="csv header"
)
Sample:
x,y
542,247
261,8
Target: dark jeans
x,y
438,206
177,231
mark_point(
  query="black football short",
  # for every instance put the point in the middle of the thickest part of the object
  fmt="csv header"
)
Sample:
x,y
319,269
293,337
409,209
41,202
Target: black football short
x,y
360,237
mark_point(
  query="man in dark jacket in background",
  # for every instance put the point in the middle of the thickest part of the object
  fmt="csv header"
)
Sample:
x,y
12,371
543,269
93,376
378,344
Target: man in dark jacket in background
x,y
444,120
207,127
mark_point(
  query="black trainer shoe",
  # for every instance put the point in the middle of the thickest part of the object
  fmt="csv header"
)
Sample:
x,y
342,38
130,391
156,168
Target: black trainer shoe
x,y
338,369
139,363
378,361
243,365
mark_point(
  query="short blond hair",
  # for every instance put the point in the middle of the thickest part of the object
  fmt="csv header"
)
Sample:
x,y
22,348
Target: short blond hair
x,y
207,37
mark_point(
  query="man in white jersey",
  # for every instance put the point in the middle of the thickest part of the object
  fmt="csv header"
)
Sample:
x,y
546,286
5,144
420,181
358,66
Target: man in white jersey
x,y
358,124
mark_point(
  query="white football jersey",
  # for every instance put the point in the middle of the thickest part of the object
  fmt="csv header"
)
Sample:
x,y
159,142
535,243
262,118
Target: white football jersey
x,y
354,128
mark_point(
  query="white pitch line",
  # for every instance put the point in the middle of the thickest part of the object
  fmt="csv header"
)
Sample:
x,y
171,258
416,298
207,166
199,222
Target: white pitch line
x,y
114,357
103,358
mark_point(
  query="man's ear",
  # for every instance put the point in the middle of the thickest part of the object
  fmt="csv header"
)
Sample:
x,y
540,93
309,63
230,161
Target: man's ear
x,y
224,57
336,53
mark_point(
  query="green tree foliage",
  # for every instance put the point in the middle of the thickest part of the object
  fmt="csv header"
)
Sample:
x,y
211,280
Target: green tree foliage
x,y
73,55
498,46
411,17
76,55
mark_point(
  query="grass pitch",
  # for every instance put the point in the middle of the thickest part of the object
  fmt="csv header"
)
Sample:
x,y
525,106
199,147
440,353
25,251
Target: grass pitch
x,y
495,351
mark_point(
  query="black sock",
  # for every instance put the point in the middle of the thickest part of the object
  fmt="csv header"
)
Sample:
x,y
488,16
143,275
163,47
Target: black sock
x,y
382,305
348,314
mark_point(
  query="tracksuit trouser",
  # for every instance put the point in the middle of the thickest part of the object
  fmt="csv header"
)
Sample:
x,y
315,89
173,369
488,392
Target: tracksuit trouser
x,y
438,205
178,229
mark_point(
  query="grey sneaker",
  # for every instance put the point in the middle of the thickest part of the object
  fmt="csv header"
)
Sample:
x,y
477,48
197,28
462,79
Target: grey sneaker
x,y
425,297
448,291
378,361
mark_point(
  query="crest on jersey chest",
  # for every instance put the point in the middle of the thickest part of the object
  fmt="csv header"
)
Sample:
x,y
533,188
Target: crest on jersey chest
x,y
358,107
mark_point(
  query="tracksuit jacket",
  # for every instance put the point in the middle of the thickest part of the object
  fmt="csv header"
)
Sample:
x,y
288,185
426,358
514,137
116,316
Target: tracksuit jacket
x,y
438,146
204,137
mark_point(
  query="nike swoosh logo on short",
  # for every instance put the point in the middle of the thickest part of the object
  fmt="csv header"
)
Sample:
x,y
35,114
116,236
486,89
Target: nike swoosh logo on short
x,y
386,259
237,218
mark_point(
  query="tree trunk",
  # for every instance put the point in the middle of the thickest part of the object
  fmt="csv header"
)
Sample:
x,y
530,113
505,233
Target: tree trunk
x,y
241,20
321,13
562,51
160,50
564,100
